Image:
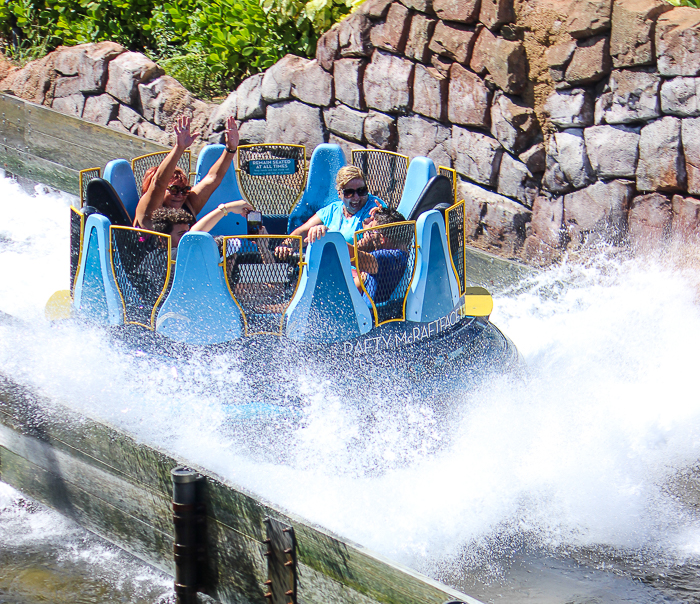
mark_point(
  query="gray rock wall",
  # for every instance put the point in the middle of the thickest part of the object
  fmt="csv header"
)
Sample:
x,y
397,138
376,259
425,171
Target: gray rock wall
x,y
569,123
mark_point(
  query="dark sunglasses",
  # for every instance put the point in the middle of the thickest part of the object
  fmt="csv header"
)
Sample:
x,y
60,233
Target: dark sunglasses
x,y
361,192
174,189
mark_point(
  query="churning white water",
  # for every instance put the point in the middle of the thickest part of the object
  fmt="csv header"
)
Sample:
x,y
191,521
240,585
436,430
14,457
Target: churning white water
x,y
574,465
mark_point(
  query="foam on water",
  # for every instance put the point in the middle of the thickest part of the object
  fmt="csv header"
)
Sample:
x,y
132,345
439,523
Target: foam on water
x,y
580,453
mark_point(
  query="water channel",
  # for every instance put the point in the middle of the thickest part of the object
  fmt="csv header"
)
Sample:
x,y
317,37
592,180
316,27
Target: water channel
x,y
561,485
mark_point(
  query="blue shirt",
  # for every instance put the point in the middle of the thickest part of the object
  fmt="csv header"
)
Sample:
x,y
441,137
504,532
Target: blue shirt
x,y
334,218
391,266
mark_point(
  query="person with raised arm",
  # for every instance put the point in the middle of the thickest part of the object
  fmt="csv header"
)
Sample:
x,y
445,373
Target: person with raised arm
x,y
168,186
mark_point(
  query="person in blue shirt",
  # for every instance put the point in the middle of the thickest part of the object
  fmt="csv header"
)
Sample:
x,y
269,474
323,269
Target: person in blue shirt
x,y
346,215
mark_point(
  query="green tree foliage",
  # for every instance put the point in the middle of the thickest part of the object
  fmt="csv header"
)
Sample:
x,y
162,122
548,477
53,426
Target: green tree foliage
x,y
209,45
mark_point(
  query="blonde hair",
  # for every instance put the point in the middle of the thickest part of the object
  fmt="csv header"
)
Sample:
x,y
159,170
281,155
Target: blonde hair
x,y
346,174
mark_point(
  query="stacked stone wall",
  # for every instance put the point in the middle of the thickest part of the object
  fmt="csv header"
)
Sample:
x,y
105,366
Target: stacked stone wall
x,y
569,122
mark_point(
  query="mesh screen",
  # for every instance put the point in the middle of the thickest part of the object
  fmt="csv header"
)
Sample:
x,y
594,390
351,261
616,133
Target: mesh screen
x,y
455,217
262,274
84,177
141,264
385,173
272,177
386,257
452,175
141,164
76,237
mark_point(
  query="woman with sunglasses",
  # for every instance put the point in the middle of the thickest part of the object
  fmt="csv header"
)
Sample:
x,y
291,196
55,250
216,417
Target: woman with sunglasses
x,y
346,215
168,186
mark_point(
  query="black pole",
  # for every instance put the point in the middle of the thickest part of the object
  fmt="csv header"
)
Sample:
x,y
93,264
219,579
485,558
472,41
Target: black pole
x,y
185,522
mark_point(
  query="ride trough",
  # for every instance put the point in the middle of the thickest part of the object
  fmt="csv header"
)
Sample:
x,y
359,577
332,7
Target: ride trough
x,y
230,288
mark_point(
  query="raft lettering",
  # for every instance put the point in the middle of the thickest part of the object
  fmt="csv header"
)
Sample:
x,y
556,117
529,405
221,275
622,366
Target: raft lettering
x,y
394,341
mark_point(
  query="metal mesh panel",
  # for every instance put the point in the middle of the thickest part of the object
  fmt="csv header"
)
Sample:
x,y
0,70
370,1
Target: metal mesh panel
x,y
385,173
141,264
262,274
84,177
455,219
139,165
385,257
77,225
450,173
272,177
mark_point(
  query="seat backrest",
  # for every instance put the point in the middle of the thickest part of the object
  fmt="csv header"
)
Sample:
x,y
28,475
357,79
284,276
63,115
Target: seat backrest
x,y
437,192
385,173
199,309
451,174
327,306
320,190
231,224
420,171
102,196
119,174
434,290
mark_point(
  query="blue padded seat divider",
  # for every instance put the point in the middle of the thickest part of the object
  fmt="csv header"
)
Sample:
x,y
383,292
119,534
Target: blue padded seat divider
x,y
434,291
327,306
320,190
119,174
420,171
199,308
96,296
232,224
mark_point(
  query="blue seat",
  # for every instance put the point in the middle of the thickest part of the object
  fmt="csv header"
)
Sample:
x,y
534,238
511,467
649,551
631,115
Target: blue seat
x,y
96,296
320,189
327,306
199,309
119,174
434,291
232,224
420,171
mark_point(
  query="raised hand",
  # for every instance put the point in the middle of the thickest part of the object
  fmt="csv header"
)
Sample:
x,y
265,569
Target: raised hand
x,y
232,136
183,137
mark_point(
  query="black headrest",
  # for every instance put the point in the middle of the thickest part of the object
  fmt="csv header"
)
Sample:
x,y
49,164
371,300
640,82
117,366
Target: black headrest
x,y
101,195
437,191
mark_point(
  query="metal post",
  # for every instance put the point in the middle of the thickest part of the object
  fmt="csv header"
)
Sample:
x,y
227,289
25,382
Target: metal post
x,y
185,522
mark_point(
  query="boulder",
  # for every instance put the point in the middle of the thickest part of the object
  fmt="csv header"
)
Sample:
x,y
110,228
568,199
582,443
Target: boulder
x,y
469,98
347,146
277,80
252,132
388,83
612,150
453,41
504,60
442,64
441,156
548,220
89,62
328,48
686,218
126,72
463,11
347,81
567,162
250,104
537,253
165,98
312,84
569,108
153,133
535,158
6,67
558,58
34,82
419,35
598,213
70,105
380,131
495,13
633,97
649,220
632,35
588,17
217,121
129,118
392,34
661,165
374,9
419,136
118,126
346,122
476,156
100,109
66,86
590,63
516,181
690,136
353,36
424,6
678,42
429,92
679,96
513,123
296,123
